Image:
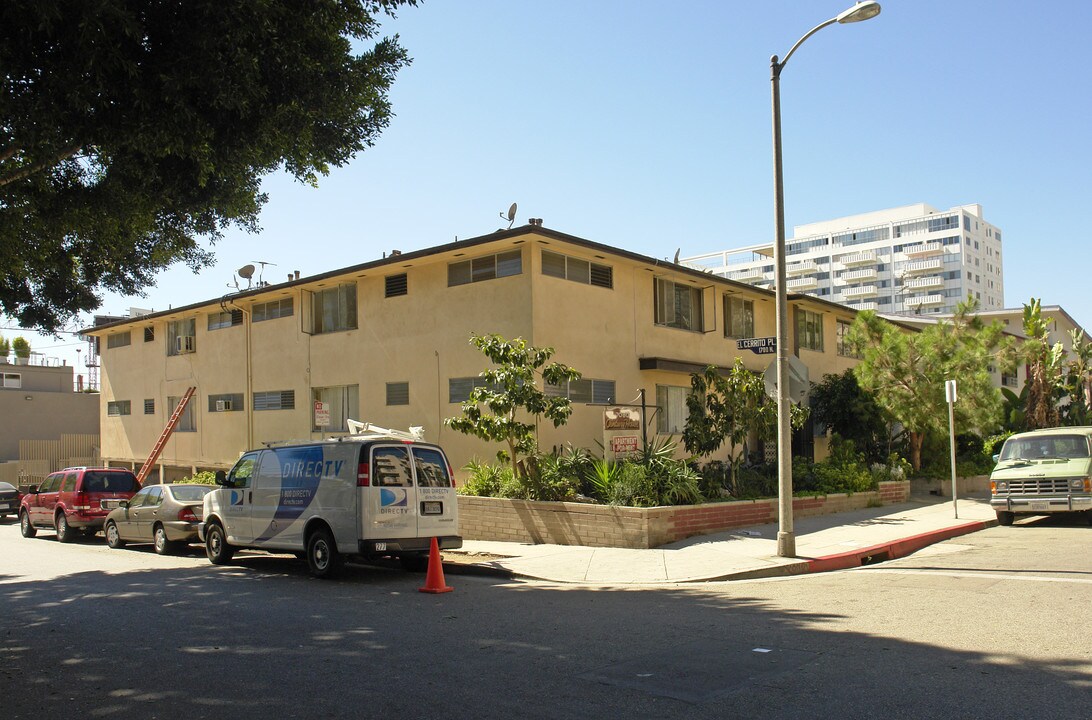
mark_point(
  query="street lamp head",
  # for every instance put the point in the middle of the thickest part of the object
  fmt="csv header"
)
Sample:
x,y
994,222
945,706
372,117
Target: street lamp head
x,y
861,11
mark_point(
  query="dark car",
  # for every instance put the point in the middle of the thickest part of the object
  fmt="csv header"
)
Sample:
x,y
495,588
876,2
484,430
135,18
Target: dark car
x,y
165,515
9,500
74,499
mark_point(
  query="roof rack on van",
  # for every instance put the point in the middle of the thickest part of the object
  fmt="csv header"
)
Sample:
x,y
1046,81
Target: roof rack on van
x,y
357,428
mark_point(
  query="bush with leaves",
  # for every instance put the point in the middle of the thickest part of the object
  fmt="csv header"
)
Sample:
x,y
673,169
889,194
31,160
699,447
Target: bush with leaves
x,y
206,477
844,471
897,468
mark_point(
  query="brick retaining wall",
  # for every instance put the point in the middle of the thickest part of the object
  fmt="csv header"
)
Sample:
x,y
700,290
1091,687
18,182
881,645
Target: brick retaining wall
x,y
560,523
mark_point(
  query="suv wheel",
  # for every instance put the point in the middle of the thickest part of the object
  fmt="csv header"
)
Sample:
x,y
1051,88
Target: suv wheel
x,y
64,530
25,527
216,545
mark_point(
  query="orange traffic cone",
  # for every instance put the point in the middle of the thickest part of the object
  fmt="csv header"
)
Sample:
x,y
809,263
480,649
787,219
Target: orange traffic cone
x,y
434,579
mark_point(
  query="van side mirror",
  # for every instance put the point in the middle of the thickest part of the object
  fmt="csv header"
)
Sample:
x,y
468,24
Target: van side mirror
x,y
996,457
221,478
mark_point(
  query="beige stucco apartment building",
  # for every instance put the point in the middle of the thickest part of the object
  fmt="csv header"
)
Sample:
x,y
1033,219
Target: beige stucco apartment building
x,y
387,342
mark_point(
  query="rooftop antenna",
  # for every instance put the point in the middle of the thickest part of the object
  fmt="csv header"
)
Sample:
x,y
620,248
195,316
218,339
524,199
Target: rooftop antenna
x,y
511,216
246,272
263,263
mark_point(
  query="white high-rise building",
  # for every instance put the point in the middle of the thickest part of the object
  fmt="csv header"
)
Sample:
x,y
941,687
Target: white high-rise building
x,y
912,259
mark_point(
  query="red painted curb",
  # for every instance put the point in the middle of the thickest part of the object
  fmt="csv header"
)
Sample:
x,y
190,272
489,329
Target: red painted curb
x,y
891,550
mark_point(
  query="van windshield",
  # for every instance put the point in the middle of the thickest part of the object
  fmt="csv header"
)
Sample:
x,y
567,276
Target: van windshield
x,y
118,482
1045,447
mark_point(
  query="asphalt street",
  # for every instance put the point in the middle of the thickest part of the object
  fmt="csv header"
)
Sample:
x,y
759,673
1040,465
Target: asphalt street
x,y
990,625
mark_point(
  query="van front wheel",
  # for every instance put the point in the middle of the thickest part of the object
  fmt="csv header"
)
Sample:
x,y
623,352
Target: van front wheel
x,y
323,559
216,545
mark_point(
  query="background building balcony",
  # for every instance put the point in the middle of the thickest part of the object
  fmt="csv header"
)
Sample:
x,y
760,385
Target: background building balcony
x,y
808,283
923,250
924,301
858,275
865,257
924,266
799,268
924,283
858,292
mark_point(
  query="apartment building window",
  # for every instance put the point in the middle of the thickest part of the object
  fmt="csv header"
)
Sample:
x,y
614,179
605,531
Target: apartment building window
x,y
395,285
181,336
577,270
275,400
227,318
149,406
488,267
149,334
1009,379
678,305
334,309
583,391
398,393
739,317
12,380
188,421
845,348
809,330
343,402
225,402
118,340
116,408
966,223
458,389
272,310
671,409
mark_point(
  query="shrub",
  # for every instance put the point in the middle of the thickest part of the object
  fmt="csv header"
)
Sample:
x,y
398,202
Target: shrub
x,y
206,477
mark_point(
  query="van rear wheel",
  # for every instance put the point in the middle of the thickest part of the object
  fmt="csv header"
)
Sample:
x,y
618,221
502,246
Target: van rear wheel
x,y
216,545
323,559
418,562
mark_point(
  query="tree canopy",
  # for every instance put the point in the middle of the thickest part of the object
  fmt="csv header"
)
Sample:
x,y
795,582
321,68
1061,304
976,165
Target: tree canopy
x,y
906,371
133,130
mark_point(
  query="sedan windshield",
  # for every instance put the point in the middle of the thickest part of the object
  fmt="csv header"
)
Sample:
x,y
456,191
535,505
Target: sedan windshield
x,y
1045,447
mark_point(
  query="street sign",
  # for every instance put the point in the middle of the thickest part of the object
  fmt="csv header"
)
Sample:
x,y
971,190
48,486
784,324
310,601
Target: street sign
x,y
798,380
759,346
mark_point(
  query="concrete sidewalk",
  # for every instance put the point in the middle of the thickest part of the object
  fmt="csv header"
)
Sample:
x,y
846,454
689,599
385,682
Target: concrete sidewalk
x,y
830,542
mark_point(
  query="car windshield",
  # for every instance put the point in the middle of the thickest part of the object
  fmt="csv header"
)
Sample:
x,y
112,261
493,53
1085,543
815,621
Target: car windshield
x,y
190,493
109,482
1044,447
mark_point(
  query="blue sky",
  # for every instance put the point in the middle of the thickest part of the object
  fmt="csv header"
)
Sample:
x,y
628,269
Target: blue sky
x,y
646,125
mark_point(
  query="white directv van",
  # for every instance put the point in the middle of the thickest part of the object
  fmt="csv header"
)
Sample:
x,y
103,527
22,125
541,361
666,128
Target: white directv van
x,y
372,494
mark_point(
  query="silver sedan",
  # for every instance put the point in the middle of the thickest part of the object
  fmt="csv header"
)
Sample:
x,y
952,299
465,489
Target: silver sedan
x,y
164,515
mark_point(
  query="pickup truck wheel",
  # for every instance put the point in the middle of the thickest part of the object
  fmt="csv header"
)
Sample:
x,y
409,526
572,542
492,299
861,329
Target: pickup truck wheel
x,y
1005,518
113,537
323,559
1088,516
216,545
25,527
163,546
64,530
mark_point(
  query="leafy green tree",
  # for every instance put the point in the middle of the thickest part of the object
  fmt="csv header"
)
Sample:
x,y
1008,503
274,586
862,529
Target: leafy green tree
x,y
510,392
730,407
1046,369
1076,382
906,371
21,347
129,129
839,403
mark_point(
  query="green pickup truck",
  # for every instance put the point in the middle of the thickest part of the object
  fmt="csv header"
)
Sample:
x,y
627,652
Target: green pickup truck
x,y
1043,472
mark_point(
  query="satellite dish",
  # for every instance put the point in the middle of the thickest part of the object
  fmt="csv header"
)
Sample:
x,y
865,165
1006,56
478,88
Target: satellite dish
x,y
511,217
246,272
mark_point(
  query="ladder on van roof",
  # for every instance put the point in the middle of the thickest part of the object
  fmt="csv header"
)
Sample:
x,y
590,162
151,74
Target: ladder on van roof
x,y
357,428
172,423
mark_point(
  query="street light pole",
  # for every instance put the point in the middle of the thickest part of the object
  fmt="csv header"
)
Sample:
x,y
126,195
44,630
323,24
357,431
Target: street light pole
x,y
786,537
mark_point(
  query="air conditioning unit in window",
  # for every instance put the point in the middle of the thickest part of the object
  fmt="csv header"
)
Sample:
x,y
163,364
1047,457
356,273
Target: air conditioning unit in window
x,y
223,405
185,344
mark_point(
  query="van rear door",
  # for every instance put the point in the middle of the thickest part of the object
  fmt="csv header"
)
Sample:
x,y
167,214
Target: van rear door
x,y
389,501
438,508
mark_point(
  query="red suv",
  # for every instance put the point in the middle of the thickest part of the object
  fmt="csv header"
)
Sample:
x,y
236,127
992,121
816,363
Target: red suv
x,y
74,499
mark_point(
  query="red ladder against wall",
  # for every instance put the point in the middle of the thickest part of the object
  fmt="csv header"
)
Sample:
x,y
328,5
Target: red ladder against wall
x,y
157,449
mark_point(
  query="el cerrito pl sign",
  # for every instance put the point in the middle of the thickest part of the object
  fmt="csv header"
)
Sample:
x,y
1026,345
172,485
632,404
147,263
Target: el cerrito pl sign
x,y
759,346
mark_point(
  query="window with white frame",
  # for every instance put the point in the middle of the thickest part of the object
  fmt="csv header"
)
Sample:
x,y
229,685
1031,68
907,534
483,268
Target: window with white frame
x,y
12,380
188,421
577,270
225,402
116,408
809,330
225,319
118,340
271,310
343,402
671,409
739,317
678,305
182,336
584,390
333,309
845,348
487,267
